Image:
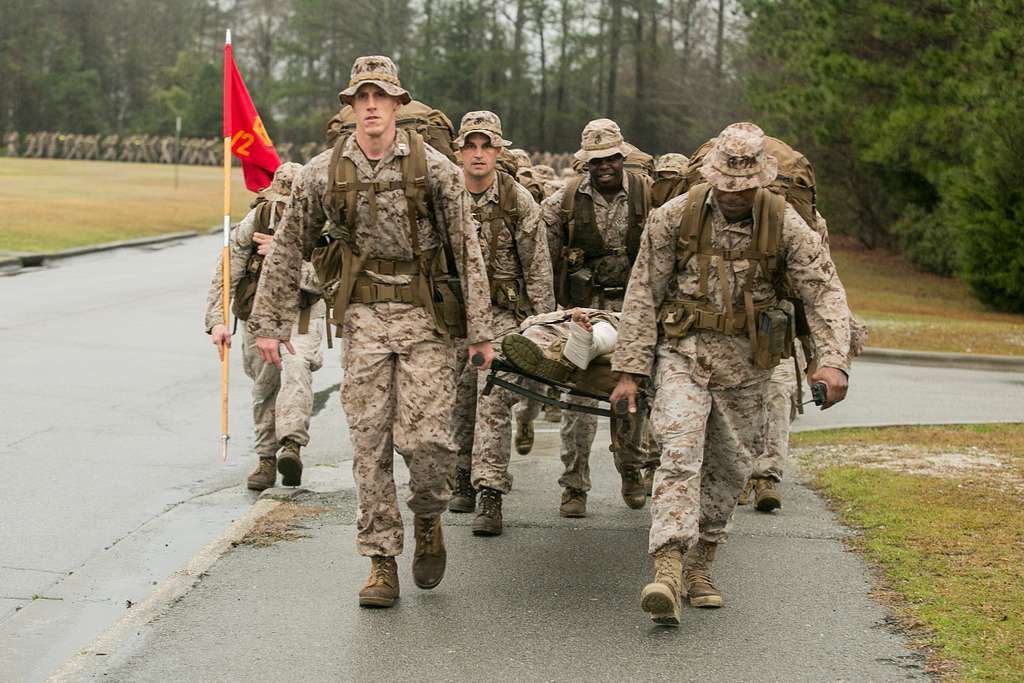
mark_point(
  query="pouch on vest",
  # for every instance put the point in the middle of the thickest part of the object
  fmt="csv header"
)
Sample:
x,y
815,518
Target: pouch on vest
x,y
774,335
581,287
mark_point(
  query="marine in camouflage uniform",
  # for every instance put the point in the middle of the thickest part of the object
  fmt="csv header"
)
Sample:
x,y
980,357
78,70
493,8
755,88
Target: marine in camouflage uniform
x,y
782,405
708,413
12,143
282,399
519,271
399,362
601,140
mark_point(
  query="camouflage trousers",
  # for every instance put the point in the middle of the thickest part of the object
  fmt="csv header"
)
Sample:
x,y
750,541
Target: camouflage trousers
x,y
397,392
781,409
282,400
578,430
709,437
482,425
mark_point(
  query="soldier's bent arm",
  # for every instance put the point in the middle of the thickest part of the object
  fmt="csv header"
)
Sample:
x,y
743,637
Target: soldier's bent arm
x,y
241,248
648,285
451,197
813,273
277,297
532,248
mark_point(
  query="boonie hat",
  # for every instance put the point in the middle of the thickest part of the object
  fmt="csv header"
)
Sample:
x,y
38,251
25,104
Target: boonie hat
x,y
738,161
378,70
280,188
601,138
671,163
486,122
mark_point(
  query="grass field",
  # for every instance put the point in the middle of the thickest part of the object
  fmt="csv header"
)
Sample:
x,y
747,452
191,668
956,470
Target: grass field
x,y
939,515
907,309
55,204
50,204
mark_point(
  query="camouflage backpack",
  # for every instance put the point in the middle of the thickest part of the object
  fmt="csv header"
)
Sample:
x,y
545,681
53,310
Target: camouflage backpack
x,y
245,288
431,124
639,161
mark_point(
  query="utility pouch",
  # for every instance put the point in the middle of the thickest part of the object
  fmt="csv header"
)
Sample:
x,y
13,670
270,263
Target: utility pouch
x,y
573,257
581,287
774,336
675,321
449,313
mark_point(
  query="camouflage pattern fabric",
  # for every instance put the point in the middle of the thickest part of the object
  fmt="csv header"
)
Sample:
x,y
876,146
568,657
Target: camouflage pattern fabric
x,y
707,381
612,218
399,384
397,392
780,404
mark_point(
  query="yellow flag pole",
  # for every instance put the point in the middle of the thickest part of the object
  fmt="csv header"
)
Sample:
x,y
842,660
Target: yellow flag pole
x,y
226,256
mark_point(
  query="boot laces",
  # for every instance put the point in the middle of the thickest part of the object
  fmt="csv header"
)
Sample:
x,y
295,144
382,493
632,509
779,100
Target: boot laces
x,y
427,530
490,502
463,485
381,570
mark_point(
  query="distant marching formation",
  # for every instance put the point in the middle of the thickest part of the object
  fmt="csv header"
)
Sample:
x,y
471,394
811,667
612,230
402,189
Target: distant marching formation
x,y
155,149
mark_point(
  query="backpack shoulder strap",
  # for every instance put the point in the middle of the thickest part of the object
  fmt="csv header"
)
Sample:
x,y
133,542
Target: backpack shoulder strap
x,y
769,217
567,212
691,224
414,175
639,207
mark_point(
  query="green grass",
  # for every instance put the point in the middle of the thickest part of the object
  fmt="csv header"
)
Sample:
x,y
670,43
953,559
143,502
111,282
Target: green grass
x,y
53,204
950,550
907,309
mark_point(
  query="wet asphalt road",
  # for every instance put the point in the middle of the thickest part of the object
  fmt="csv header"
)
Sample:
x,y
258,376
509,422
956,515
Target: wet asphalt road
x,y
110,415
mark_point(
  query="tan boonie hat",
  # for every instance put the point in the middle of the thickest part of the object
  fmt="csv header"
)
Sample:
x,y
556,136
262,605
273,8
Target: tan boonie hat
x,y
378,70
671,163
738,160
601,138
543,172
280,188
522,158
486,122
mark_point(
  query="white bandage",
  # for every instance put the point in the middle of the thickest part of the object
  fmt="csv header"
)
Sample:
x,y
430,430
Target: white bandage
x,y
582,346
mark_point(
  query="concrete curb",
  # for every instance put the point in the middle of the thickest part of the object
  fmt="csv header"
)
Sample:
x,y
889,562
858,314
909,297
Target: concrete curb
x,y
967,361
38,259
172,590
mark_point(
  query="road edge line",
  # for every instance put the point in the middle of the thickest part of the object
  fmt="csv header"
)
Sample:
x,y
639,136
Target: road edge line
x,y
177,586
969,361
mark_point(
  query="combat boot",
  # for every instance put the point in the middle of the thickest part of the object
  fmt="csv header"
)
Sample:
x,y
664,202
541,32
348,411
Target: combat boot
x,y
488,520
746,494
661,598
381,589
463,494
574,503
552,413
766,498
526,355
697,576
428,562
633,488
524,437
289,464
264,476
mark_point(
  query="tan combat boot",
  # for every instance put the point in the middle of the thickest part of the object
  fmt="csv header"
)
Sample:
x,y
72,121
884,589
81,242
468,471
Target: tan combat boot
x,y
381,589
633,492
661,598
766,498
524,437
574,503
428,562
463,494
488,520
289,464
746,494
697,576
264,476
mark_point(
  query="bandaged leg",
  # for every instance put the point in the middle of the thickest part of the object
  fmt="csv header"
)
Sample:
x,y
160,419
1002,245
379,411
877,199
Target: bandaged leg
x,y
585,345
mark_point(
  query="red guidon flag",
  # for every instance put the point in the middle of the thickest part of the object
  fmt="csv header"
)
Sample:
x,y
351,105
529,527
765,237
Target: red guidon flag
x,y
249,139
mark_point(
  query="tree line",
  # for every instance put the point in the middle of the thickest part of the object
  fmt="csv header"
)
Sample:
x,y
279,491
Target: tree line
x,y
910,111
